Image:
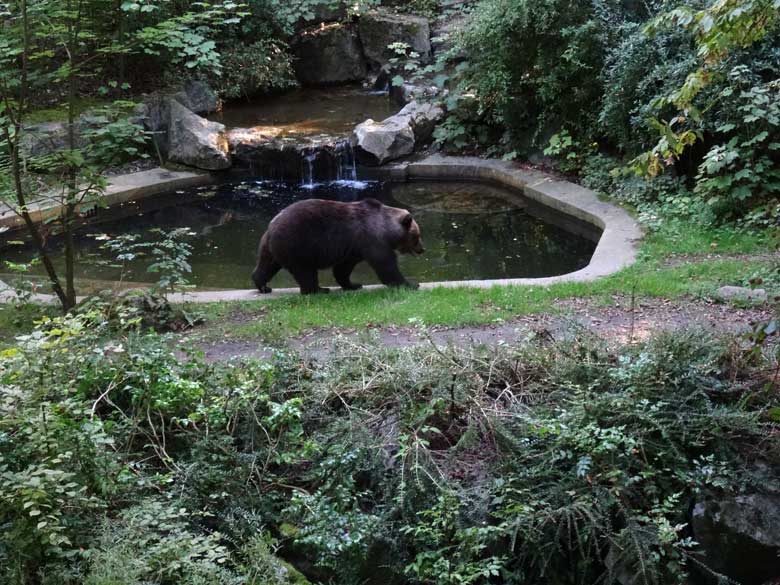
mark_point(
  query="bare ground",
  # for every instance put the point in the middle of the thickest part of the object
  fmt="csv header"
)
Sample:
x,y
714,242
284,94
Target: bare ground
x,y
618,321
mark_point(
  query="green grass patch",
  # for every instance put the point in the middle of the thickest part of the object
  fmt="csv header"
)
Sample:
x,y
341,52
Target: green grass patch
x,y
276,319
59,113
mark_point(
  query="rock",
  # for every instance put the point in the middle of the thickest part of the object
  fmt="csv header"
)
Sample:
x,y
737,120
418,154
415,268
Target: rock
x,y
270,155
154,113
422,117
329,55
194,141
739,535
380,142
741,293
396,136
44,139
406,93
325,11
380,28
198,97
50,137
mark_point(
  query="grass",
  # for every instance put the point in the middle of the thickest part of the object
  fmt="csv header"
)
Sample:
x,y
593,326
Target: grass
x,y
59,113
652,276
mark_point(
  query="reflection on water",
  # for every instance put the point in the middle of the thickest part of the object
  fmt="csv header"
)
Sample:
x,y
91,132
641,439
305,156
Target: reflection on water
x,y
299,113
470,230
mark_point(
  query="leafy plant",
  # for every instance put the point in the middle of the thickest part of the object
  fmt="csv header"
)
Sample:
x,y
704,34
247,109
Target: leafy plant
x,y
255,68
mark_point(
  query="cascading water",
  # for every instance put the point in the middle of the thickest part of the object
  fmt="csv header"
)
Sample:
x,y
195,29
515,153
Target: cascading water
x,y
307,179
329,163
346,166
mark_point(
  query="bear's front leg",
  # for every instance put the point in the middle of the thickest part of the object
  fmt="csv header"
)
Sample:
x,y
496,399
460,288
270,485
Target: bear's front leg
x,y
342,273
266,267
308,281
386,268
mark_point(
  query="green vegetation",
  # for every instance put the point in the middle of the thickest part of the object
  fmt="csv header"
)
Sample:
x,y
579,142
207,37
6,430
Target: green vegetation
x,y
121,462
685,88
127,459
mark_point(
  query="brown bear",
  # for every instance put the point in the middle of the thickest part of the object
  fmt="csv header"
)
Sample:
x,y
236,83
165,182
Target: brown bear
x,y
315,234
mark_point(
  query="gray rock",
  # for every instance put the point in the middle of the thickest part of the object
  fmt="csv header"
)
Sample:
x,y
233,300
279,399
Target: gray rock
x,y
198,96
406,93
50,137
381,142
422,117
44,139
329,55
380,28
325,11
741,293
194,141
396,136
739,536
271,155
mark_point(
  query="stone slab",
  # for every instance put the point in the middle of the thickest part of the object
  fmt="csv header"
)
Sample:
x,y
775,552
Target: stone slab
x,y
121,189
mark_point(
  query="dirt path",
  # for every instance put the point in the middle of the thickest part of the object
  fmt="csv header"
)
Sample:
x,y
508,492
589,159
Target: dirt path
x,y
617,321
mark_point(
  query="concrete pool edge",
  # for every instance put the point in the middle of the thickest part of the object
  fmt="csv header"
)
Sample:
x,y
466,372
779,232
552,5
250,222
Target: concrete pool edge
x,y
616,249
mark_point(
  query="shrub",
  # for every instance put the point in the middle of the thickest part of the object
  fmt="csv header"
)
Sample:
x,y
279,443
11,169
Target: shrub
x,y
124,462
252,69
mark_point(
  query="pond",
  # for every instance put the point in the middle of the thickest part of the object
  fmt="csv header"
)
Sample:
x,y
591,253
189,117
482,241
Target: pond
x,y
310,112
470,230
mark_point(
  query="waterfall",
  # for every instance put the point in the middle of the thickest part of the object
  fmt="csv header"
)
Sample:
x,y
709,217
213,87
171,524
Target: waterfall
x,y
346,166
329,163
307,173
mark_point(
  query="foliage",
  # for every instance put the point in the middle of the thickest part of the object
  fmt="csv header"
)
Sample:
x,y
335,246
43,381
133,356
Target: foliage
x,y
124,462
256,68
685,86
169,254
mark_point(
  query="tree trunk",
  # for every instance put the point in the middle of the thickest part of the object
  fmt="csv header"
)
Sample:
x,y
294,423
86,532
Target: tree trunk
x,y
16,168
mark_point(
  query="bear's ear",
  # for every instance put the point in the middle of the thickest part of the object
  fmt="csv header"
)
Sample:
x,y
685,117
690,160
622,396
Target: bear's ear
x,y
406,220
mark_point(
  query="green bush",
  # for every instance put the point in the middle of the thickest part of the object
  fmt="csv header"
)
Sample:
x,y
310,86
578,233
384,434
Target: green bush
x,y
571,77
124,462
256,68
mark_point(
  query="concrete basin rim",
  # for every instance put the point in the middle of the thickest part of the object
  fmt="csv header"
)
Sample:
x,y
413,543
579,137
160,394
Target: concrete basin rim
x,y
615,250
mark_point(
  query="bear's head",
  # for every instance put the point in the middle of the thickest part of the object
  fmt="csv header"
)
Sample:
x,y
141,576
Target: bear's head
x,y
411,242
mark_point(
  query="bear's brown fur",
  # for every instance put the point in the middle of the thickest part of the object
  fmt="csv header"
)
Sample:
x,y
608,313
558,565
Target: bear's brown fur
x,y
315,234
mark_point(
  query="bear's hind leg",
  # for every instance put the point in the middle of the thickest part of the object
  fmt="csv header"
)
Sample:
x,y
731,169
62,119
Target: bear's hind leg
x,y
342,273
308,281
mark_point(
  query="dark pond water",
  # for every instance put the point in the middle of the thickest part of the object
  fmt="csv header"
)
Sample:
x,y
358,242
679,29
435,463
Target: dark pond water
x,y
470,230
310,112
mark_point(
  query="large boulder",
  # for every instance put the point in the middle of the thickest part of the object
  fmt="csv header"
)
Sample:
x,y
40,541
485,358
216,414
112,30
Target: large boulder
x,y
198,96
194,141
422,117
44,139
273,156
381,142
50,137
380,28
154,113
739,535
396,136
329,55
324,11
